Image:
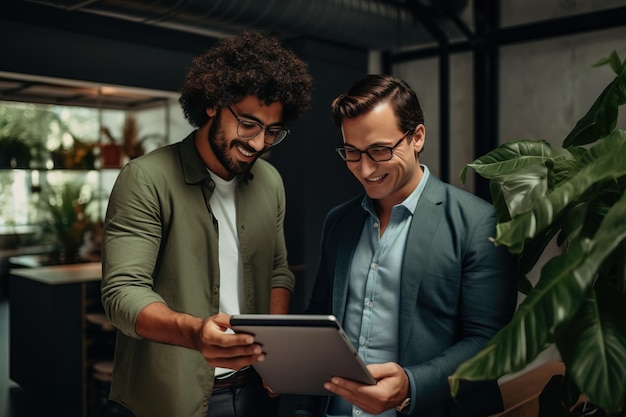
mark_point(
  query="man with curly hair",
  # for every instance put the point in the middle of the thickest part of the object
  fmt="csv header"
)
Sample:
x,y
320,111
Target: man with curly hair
x,y
194,234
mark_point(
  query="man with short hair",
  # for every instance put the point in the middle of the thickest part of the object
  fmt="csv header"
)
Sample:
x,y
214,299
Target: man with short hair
x,y
407,268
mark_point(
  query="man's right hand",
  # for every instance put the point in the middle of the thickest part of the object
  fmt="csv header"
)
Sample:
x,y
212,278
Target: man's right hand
x,y
225,349
211,336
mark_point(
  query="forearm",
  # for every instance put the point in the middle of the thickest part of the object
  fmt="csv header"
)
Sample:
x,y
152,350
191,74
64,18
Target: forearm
x,y
159,323
279,301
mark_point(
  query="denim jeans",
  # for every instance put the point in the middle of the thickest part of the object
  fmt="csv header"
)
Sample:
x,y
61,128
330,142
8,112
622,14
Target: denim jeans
x,y
246,400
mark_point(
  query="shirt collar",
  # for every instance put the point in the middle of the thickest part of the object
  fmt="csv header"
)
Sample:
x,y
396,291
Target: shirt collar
x,y
409,203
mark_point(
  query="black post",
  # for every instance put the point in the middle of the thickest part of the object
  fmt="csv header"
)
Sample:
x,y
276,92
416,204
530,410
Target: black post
x,y
421,13
486,79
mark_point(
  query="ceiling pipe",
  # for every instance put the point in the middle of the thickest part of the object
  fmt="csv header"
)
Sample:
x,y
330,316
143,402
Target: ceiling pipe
x,y
371,24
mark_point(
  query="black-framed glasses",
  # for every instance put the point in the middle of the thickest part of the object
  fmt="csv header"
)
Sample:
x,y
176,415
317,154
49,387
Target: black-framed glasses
x,y
377,153
249,129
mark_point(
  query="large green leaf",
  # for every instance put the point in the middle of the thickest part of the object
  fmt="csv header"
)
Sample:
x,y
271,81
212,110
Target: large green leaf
x,y
512,156
572,222
584,217
564,170
593,347
520,190
564,282
607,160
536,246
613,61
531,329
519,173
601,118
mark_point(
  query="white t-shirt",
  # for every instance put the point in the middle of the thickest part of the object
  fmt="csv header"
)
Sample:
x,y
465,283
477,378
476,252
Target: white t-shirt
x,y
231,265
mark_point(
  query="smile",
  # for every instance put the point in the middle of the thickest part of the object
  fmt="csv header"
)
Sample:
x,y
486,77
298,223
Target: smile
x,y
375,179
245,152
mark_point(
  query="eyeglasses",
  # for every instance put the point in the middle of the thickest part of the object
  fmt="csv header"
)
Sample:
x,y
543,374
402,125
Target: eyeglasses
x,y
249,129
376,153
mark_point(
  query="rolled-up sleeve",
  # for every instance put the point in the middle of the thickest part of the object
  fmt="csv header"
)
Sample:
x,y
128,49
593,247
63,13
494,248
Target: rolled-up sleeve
x,y
131,243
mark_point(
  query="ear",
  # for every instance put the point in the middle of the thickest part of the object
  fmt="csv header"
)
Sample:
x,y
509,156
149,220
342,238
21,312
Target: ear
x,y
418,137
211,112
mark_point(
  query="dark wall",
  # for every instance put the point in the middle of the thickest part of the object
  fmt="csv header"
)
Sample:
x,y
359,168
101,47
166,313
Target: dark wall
x,y
316,179
79,46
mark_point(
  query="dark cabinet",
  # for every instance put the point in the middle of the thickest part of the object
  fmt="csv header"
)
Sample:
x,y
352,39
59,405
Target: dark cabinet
x,y
53,346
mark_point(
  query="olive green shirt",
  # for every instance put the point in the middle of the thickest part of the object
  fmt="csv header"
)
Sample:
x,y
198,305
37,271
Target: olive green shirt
x,y
161,245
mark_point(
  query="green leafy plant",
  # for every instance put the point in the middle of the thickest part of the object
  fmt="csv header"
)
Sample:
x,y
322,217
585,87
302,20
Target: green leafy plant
x,y
66,221
573,195
15,148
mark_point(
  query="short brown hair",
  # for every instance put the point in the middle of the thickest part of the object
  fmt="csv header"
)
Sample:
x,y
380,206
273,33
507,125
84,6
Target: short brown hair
x,y
372,90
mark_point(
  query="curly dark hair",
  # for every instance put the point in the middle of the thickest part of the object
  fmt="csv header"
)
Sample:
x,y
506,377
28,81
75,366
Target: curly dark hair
x,y
250,64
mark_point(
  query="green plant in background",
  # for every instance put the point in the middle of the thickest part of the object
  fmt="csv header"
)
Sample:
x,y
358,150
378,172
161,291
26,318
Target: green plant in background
x,y
575,195
26,130
66,221
15,147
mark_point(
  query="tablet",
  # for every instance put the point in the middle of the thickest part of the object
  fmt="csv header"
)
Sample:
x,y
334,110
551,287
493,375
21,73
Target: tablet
x,y
302,351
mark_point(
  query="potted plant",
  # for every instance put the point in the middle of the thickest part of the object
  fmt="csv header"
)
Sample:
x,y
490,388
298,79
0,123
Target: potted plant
x,y
573,195
14,152
66,223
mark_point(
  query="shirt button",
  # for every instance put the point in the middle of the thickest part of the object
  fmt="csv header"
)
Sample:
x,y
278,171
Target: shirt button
x,y
357,412
216,290
374,266
375,225
205,403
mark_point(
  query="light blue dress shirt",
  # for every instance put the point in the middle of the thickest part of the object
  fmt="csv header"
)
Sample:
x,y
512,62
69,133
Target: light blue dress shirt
x,y
372,312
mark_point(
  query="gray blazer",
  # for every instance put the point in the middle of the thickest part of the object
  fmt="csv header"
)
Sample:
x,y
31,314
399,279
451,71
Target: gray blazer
x,y
457,291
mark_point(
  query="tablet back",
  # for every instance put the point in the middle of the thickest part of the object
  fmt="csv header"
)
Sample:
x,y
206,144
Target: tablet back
x,y
302,351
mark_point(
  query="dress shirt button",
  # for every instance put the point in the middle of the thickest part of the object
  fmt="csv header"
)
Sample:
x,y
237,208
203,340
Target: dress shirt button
x,y
362,341
375,225
205,403
357,412
374,265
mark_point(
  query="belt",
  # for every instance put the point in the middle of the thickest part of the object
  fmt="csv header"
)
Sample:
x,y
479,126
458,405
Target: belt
x,y
238,378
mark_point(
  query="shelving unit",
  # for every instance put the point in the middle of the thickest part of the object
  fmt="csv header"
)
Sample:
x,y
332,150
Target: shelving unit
x,y
49,344
71,129
58,332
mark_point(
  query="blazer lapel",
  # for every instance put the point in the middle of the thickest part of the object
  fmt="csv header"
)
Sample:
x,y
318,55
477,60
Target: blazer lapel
x,y
420,241
347,239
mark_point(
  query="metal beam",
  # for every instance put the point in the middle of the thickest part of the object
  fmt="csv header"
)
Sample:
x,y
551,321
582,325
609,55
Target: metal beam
x,y
421,13
486,84
565,26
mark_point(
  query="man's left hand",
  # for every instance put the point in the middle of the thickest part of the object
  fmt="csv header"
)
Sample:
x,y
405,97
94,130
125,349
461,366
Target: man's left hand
x,y
270,393
391,388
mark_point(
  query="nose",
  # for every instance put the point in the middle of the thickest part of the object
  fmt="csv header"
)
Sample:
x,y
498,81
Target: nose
x,y
258,142
366,166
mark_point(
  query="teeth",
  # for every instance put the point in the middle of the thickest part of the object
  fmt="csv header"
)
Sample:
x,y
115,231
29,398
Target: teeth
x,y
245,152
375,178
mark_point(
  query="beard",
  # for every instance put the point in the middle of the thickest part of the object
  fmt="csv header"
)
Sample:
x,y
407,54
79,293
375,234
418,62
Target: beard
x,y
221,147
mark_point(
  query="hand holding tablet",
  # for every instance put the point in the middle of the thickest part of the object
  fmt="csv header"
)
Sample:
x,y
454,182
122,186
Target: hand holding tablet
x,y
302,351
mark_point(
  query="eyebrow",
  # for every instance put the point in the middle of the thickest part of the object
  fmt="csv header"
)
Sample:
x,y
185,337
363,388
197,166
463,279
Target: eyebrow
x,y
371,146
256,119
